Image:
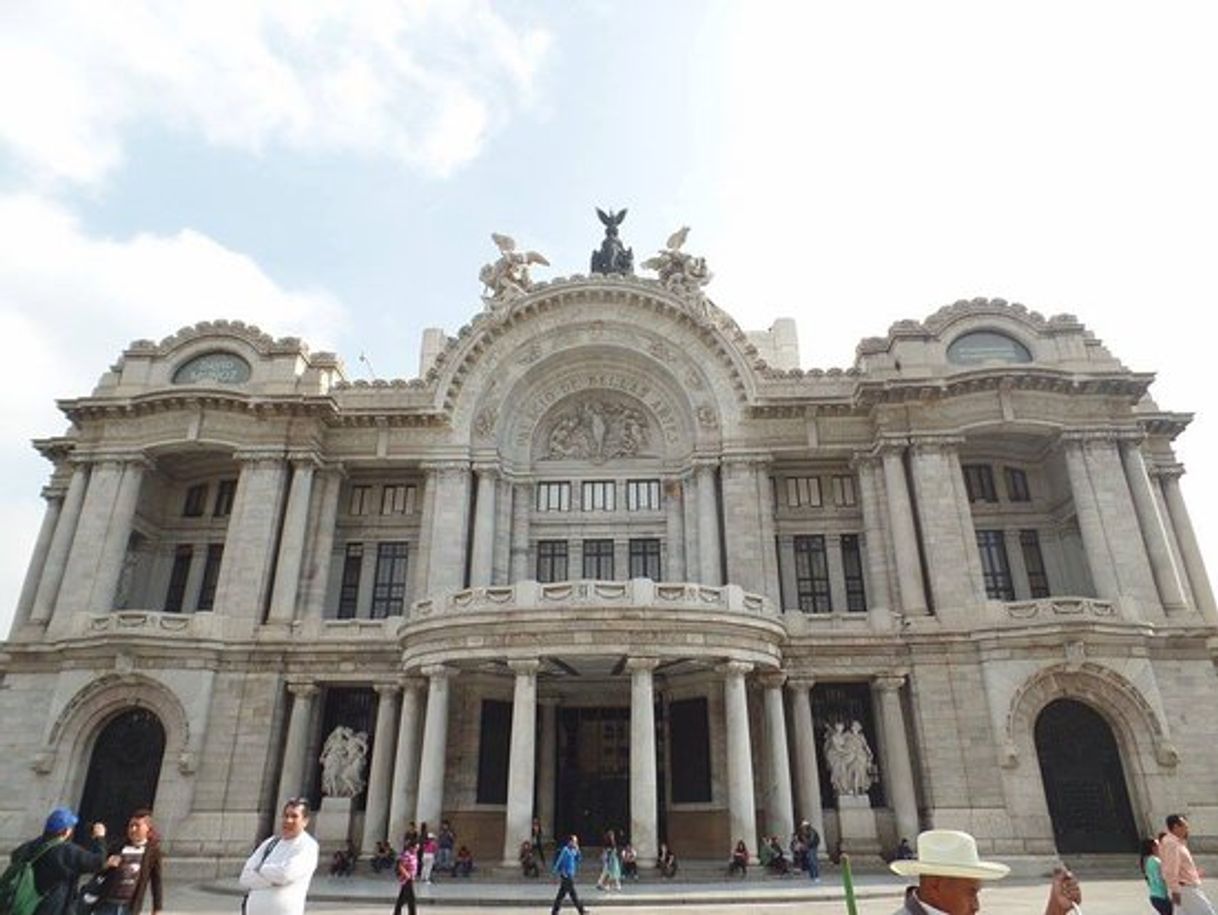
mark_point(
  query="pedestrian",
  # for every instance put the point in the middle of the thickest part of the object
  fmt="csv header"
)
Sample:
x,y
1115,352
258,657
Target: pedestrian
x,y
427,844
276,876
739,861
58,864
566,866
406,868
123,886
1180,871
446,842
1152,873
536,838
611,867
949,874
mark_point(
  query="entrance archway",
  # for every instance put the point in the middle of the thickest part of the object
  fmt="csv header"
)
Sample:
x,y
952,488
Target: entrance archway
x,y
1084,781
124,769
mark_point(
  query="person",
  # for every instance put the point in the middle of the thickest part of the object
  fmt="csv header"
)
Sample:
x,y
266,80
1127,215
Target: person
x,y
463,864
739,862
276,876
811,840
1180,871
537,841
566,866
903,852
383,858
343,862
666,861
1064,894
58,864
123,886
630,862
528,860
427,844
778,863
611,865
949,874
1152,872
407,867
411,836
444,848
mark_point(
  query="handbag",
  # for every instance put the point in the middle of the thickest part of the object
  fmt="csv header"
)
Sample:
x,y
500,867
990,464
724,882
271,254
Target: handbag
x,y
91,893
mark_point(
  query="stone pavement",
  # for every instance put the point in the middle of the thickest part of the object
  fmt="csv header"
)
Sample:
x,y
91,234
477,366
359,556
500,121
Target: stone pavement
x,y
878,896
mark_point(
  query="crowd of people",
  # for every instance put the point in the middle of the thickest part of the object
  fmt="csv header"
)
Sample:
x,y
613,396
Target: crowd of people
x,y
276,877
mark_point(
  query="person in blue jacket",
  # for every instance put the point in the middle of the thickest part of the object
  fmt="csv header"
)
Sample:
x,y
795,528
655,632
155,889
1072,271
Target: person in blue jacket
x,y
566,866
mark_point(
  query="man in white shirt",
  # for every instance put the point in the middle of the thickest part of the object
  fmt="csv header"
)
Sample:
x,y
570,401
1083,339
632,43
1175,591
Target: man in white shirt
x,y
278,873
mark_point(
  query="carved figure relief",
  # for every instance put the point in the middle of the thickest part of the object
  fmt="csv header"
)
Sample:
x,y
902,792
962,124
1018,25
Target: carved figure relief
x,y
598,430
683,273
342,762
851,763
508,278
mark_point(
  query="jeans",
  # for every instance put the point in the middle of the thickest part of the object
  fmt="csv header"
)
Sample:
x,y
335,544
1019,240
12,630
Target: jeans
x,y
566,887
813,865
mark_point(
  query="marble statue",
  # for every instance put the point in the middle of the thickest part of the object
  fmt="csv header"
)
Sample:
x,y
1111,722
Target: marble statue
x,y
682,273
849,758
342,762
613,256
508,278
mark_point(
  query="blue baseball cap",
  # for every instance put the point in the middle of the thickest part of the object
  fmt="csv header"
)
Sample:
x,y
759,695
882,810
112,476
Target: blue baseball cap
x,y
61,818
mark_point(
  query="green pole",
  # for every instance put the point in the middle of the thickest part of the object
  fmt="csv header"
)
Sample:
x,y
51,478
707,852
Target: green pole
x,y
848,885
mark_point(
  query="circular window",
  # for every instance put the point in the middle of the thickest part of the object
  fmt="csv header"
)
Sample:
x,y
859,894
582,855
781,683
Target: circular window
x,y
986,346
221,368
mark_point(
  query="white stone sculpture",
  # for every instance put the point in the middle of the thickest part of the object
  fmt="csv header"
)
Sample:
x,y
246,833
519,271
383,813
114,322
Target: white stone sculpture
x,y
342,762
508,278
597,431
849,758
682,273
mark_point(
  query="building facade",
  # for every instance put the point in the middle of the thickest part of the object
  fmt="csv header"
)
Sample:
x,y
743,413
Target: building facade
x,y
611,561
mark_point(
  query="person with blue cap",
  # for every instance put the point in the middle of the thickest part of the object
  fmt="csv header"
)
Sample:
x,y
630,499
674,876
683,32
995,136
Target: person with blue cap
x,y
59,863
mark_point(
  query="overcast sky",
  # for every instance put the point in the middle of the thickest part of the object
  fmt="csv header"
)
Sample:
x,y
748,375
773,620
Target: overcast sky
x,y
334,171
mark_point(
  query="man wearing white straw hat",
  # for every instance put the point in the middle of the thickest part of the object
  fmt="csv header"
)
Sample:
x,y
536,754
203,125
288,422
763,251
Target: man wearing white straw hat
x,y
949,874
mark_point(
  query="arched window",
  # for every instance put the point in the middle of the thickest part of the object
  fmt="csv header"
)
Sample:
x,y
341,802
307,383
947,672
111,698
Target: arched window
x,y
986,346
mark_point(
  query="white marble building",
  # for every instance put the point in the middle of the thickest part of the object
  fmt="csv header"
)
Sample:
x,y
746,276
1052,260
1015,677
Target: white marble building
x,y
612,561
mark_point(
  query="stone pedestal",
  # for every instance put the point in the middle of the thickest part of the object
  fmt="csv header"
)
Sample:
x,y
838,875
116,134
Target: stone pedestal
x,y
856,825
334,824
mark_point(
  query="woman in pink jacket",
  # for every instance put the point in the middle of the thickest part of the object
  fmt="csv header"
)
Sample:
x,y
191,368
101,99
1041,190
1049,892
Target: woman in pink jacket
x,y
407,867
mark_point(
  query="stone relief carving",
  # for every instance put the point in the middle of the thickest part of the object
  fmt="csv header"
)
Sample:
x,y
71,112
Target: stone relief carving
x,y
683,273
707,417
484,423
342,762
852,768
508,278
598,430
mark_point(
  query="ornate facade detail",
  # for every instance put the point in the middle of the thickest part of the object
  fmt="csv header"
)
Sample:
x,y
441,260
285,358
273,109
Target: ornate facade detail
x,y
848,755
342,762
508,277
597,431
683,273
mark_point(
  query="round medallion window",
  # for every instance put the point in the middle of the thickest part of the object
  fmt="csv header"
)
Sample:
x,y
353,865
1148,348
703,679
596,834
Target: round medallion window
x,y
986,346
213,368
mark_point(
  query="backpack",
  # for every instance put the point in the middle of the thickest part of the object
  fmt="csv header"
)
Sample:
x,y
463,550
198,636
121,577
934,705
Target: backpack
x,y
18,894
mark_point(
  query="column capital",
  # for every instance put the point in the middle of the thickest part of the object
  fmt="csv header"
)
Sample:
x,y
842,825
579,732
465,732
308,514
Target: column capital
x,y
735,668
889,683
745,462
386,690
437,671
889,444
527,667
303,690
260,456
703,464
772,679
53,491
445,466
801,683
637,664
412,684
863,459
121,458
923,444
487,470
1166,471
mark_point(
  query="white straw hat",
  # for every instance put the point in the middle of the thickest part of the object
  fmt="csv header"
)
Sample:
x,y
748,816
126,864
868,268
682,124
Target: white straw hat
x,y
948,853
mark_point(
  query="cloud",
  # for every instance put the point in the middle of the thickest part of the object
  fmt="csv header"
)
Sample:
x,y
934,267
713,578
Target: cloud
x,y
418,81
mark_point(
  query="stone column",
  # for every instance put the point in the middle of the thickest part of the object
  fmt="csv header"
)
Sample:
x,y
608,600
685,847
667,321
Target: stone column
x,y
38,560
875,557
435,746
61,547
806,766
118,537
291,776
448,532
291,543
644,832
709,566
779,805
904,535
900,782
949,540
522,755
1154,530
522,509
384,744
674,529
404,795
245,571
1095,544
547,764
482,560
742,810
427,526
1190,552
317,575
1019,569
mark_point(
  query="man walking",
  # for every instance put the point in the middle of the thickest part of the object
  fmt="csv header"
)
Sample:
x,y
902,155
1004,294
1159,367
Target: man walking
x,y
566,866
58,864
1180,871
278,873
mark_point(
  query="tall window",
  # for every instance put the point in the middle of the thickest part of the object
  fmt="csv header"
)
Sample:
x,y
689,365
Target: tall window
x,y
598,559
1034,562
177,578
196,501
1017,485
803,491
211,574
812,575
397,500
389,582
642,495
645,558
554,497
552,560
843,490
225,492
852,565
348,592
598,496
995,568
979,481
361,500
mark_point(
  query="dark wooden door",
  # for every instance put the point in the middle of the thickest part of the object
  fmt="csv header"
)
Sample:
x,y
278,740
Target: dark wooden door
x,y
124,769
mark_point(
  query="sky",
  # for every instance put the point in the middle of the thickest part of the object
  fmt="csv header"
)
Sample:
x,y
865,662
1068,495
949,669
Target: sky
x,y
334,171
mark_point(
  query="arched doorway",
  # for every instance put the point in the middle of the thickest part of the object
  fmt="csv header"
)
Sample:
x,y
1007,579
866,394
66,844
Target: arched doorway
x,y
124,769
1084,781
